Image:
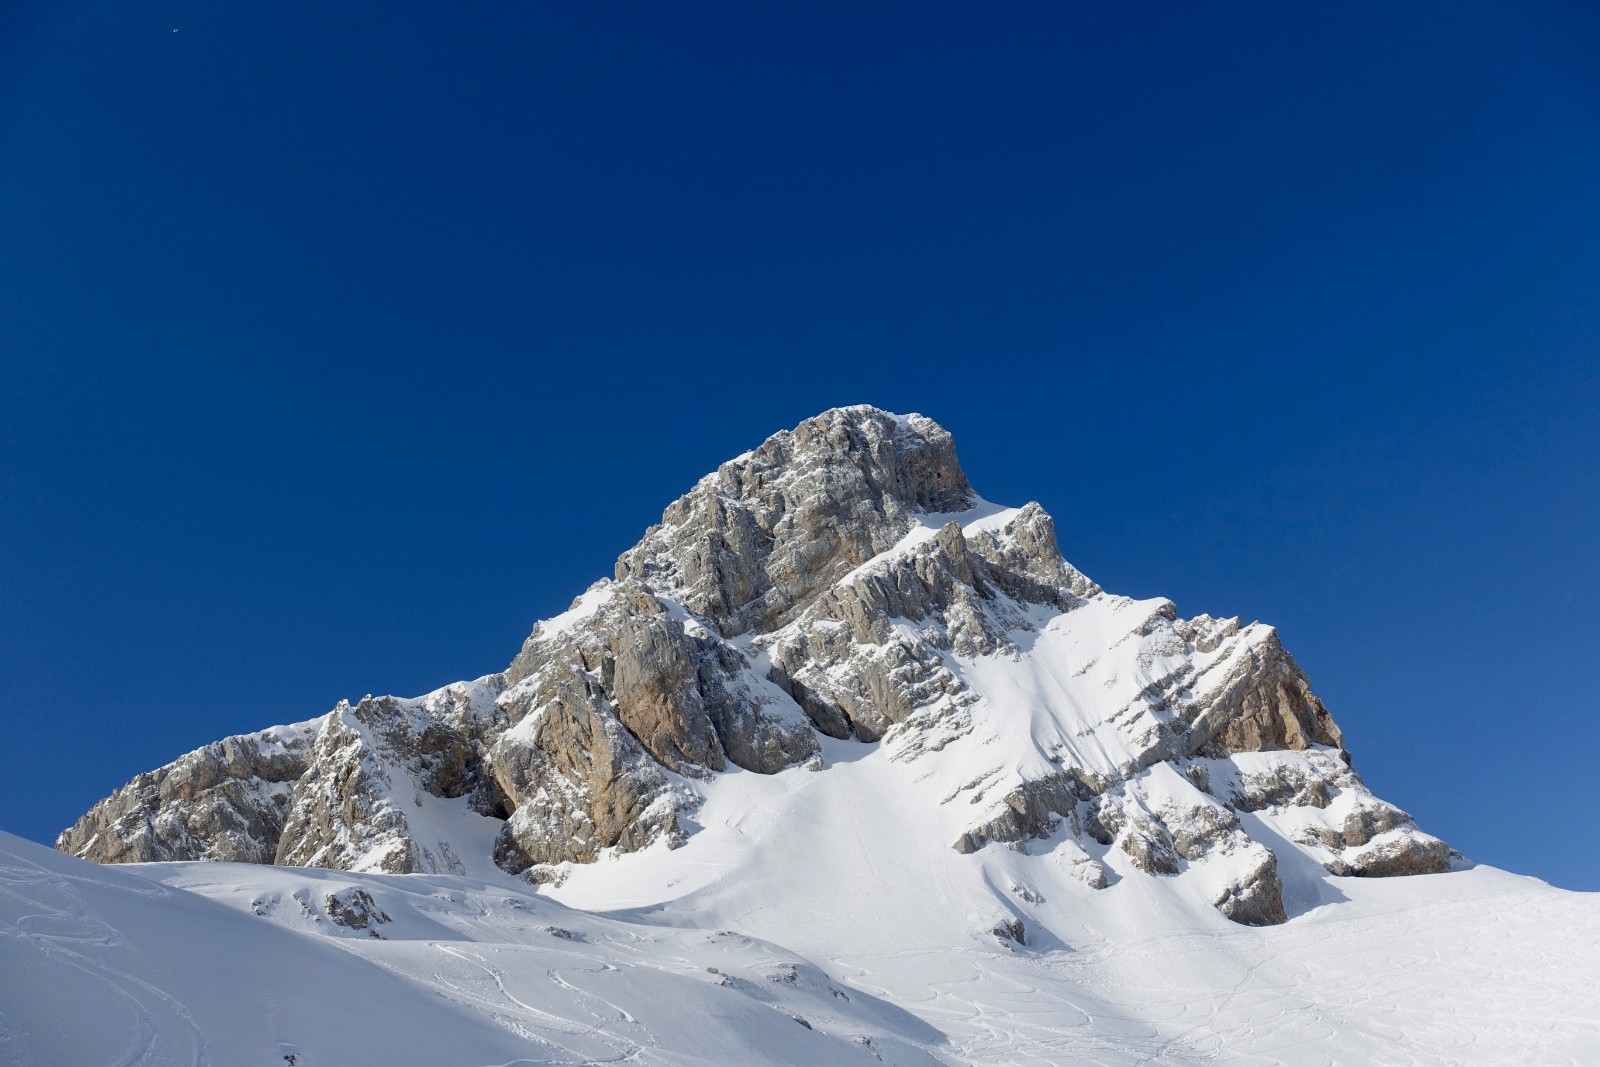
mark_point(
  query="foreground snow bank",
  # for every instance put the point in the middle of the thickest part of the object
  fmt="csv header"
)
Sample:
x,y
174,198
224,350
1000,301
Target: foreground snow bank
x,y
111,966
866,959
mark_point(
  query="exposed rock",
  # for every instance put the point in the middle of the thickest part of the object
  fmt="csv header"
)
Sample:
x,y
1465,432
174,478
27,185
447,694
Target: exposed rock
x,y
1201,829
607,696
1010,931
1326,807
652,688
1033,810
751,543
1256,899
1091,873
1395,853
344,814
1266,703
578,779
226,802
354,907
1294,785
348,810
1149,845
853,670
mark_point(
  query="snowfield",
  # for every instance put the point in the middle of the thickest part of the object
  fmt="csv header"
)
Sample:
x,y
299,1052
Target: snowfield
x,y
803,896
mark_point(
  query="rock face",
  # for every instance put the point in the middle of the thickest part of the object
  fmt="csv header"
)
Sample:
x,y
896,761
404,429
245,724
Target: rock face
x,y
349,810
843,579
749,546
225,802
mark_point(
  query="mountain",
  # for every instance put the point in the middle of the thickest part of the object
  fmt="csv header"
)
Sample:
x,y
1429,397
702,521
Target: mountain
x,y
936,792
843,580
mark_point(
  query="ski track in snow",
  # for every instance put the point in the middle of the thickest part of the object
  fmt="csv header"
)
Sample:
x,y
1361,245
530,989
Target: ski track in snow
x,y
159,1029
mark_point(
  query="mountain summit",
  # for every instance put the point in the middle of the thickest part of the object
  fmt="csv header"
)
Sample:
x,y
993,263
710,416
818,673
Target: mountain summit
x,y
837,590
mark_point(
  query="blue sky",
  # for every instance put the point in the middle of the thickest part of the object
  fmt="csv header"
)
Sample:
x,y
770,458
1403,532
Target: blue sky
x,y
338,345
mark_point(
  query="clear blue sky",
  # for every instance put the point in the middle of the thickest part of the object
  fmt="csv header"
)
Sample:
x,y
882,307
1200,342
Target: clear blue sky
x,y
339,344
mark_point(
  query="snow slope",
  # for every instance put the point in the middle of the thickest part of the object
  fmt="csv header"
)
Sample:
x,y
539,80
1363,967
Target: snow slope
x,y
810,895
225,964
1473,966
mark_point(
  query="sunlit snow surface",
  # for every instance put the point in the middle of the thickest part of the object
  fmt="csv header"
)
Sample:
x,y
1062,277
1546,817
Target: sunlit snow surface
x,y
811,895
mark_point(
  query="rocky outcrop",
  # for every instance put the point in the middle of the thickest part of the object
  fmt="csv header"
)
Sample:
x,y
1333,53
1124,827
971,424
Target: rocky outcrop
x,y
578,780
354,909
607,698
1255,898
843,579
227,802
751,544
377,761
855,671
1399,852
1320,802
1265,703
1034,809
329,792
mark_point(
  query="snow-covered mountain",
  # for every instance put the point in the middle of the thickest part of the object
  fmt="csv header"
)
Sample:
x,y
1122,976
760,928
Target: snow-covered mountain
x,y
838,703
843,580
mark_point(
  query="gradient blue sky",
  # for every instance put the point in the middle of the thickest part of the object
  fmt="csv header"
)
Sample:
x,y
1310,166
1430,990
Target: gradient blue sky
x,y
339,343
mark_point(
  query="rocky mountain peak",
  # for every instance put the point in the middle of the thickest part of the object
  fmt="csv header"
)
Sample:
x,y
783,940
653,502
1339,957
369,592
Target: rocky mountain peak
x,y
760,536
841,581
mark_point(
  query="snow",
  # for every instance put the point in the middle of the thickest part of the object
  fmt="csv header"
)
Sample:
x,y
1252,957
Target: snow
x,y
587,603
801,890
845,867
200,963
276,739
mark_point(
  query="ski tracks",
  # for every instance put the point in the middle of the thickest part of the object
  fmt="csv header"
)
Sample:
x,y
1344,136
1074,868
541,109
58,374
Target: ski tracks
x,y
160,1030
550,1028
